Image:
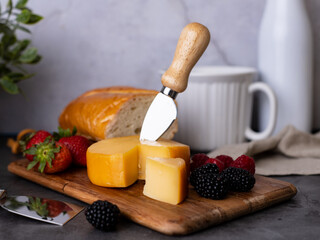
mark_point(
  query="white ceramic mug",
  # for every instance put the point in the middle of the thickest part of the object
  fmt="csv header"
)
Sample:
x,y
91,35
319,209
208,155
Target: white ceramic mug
x,y
216,108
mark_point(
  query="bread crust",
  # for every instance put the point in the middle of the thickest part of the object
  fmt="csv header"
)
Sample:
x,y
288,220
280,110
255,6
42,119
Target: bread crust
x,y
95,112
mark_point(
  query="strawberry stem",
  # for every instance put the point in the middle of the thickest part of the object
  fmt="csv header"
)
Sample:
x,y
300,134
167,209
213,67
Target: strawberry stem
x,y
23,142
43,153
64,133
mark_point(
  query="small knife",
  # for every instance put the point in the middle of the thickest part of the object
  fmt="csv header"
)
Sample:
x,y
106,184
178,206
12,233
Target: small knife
x,y
162,112
43,209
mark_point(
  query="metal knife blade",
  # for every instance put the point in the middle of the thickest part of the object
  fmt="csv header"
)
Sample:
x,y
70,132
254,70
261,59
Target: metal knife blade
x,y
42,209
162,112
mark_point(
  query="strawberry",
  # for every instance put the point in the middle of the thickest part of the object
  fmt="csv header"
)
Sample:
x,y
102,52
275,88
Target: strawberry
x,y
50,156
198,160
32,140
245,162
76,144
227,160
219,163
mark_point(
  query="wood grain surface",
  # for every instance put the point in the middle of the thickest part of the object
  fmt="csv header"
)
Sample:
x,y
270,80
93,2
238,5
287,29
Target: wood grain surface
x,y
194,214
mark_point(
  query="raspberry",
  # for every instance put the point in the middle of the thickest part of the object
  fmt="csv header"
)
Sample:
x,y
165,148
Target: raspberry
x,y
203,170
217,162
198,160
103,215
212,186
227,160
244,162
240,180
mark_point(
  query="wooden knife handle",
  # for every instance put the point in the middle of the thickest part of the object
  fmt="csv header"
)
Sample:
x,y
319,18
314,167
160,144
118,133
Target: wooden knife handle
x,y
193,41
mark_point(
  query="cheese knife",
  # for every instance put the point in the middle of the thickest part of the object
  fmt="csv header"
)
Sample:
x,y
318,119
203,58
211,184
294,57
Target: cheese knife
x,y
162,112
43,209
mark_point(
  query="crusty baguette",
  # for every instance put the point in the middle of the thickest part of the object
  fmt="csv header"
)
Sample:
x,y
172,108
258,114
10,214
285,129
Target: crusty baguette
x,y
110,112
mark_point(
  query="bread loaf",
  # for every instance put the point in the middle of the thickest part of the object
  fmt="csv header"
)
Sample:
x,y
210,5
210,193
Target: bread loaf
x,y
110,112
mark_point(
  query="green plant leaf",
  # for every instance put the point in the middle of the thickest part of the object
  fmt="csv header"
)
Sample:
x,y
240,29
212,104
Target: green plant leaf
x,y
36,60
5,29
19,47
14,52
4,70
34,18
1,51
9,5
21,4
17,26
8,40
24,44
17,77
8,85
28,55
24,16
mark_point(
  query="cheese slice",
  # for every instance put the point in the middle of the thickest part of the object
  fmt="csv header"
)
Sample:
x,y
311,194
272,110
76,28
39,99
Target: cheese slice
x,y
119,162
163,149
166,179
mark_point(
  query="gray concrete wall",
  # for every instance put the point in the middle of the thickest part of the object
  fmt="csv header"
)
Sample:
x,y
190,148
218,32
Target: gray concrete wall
x,y
97,43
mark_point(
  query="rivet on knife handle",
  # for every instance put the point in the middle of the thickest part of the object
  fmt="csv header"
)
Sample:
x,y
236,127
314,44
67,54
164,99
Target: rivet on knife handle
x,y
193,41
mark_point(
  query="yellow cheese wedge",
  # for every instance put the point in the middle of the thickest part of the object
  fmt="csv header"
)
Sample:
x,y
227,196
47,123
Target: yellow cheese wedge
x,y
163,149
119,162
166,180
113,162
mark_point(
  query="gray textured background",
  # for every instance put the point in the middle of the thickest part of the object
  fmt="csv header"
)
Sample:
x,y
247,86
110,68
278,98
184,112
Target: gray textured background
x,y
98,43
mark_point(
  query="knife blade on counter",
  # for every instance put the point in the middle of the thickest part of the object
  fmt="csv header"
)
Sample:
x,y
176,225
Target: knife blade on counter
x,y
42,209
162,112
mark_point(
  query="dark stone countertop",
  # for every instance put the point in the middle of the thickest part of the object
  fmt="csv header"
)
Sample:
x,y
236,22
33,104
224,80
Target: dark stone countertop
x,y
298,218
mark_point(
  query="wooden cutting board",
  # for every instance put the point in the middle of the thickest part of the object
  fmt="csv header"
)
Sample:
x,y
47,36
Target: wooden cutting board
x,y
194,214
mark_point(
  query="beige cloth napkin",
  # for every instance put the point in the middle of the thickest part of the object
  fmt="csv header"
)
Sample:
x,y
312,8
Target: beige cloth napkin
x,y
289,152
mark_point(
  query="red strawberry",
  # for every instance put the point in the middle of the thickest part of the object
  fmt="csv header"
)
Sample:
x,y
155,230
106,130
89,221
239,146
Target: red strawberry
x,y
33,139
227,160
50,156
198,160
244,162
78,146
219,163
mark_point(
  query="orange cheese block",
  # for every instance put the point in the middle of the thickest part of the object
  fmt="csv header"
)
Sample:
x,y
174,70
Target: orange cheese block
x,y
166,180
113,162
119,162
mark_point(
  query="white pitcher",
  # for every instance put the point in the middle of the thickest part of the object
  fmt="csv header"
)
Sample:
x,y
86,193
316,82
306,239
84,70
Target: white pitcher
x,y
285,62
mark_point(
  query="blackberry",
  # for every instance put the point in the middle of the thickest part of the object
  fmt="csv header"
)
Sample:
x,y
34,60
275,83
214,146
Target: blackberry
x,y
103,215
209,168
212,186
240,180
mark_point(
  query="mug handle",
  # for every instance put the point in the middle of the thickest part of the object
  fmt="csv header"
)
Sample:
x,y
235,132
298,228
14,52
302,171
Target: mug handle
x,y
260,86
